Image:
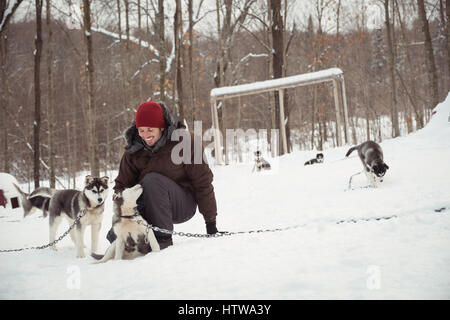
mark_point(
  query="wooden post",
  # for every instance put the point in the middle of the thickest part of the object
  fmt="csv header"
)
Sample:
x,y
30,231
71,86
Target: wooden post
x,y
217,135
282,124
344,102
338,114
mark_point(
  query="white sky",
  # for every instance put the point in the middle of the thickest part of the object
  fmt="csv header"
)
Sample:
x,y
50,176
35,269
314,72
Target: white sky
x,y
298,11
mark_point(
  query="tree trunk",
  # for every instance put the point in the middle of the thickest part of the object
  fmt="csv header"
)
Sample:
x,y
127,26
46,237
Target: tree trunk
x,y
126,71
50,102
91,114
367,123
191,76
162,51
127,25
178,35
7,13
391,44
139,19
37,92
270,96
418,114
5,16
4,99
429,55
447,11
119,22
219,77
286,94
278,49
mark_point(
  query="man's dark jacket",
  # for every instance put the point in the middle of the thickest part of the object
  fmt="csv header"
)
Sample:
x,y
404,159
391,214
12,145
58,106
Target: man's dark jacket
x,y
140,159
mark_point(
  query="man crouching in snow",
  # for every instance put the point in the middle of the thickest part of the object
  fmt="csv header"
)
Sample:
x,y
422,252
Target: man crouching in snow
x,y
172,191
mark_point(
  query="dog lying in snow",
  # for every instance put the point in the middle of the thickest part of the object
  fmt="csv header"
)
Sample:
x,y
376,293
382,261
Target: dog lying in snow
x,y
318,159
371,156
132,239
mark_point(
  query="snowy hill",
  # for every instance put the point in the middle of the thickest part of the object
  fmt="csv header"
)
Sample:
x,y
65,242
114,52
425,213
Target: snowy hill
x,y
403,257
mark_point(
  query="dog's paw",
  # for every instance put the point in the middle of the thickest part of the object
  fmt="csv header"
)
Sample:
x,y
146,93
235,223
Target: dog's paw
x,y
81,255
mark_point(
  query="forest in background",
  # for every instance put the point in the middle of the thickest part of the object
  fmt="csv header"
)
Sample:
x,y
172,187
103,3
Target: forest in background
x,y
74,72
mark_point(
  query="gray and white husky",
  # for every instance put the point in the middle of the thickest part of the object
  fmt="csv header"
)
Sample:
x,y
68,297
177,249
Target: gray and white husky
x,y
30,205
132,239
371,156
70,204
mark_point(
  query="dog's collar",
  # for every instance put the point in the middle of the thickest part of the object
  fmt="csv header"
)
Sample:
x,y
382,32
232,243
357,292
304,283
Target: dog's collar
x,y
136,213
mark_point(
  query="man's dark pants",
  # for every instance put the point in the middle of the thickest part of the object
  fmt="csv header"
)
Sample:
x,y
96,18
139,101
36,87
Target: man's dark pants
x,y
163,203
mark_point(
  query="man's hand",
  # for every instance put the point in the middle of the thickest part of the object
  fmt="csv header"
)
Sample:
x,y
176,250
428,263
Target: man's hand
x,y
211,227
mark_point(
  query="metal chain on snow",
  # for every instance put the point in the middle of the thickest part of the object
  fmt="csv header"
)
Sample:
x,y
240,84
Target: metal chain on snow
x,y
228,233
83,212
215,235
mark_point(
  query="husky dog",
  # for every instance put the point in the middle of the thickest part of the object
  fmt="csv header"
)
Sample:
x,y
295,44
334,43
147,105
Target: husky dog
x,y
131,237
260,162
318,159
371,157
30,205
71,203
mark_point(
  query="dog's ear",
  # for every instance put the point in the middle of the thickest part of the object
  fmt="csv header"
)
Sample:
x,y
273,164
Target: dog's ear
x,y
105,180
88,179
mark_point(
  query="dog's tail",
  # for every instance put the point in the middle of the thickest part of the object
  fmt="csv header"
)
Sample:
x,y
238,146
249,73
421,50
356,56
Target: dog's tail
x,y
22,193
43,192
351,150
97,256
109,254
26,204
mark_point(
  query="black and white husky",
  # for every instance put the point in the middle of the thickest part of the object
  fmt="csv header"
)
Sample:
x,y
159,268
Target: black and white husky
x,y
318,159
131,237
70,204
30,205
260,162
371,156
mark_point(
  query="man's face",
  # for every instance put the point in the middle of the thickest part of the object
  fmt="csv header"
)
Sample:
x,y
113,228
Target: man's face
x,y
150,135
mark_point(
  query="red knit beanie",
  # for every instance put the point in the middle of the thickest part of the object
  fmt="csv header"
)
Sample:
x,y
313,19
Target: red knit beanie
x,y
150,114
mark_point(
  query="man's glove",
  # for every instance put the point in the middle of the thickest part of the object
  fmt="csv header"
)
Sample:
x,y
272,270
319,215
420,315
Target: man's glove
x,y
211,227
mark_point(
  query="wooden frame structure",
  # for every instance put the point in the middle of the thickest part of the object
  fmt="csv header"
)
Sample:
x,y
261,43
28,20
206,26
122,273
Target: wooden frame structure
x,y
334,74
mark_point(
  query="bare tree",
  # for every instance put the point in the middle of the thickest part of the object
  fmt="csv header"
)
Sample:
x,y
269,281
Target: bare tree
x,y
162,50
119,22
91,114
391,44
191,61
4,19
411,92
178,39
50,98
4,99
277,53
6,15
447,11
429,56
37,92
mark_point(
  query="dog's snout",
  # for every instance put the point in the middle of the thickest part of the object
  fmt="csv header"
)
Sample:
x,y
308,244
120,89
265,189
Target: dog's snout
x,y
99,199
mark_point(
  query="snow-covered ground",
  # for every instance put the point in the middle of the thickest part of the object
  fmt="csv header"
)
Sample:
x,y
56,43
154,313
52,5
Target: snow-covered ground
x,y
406,257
